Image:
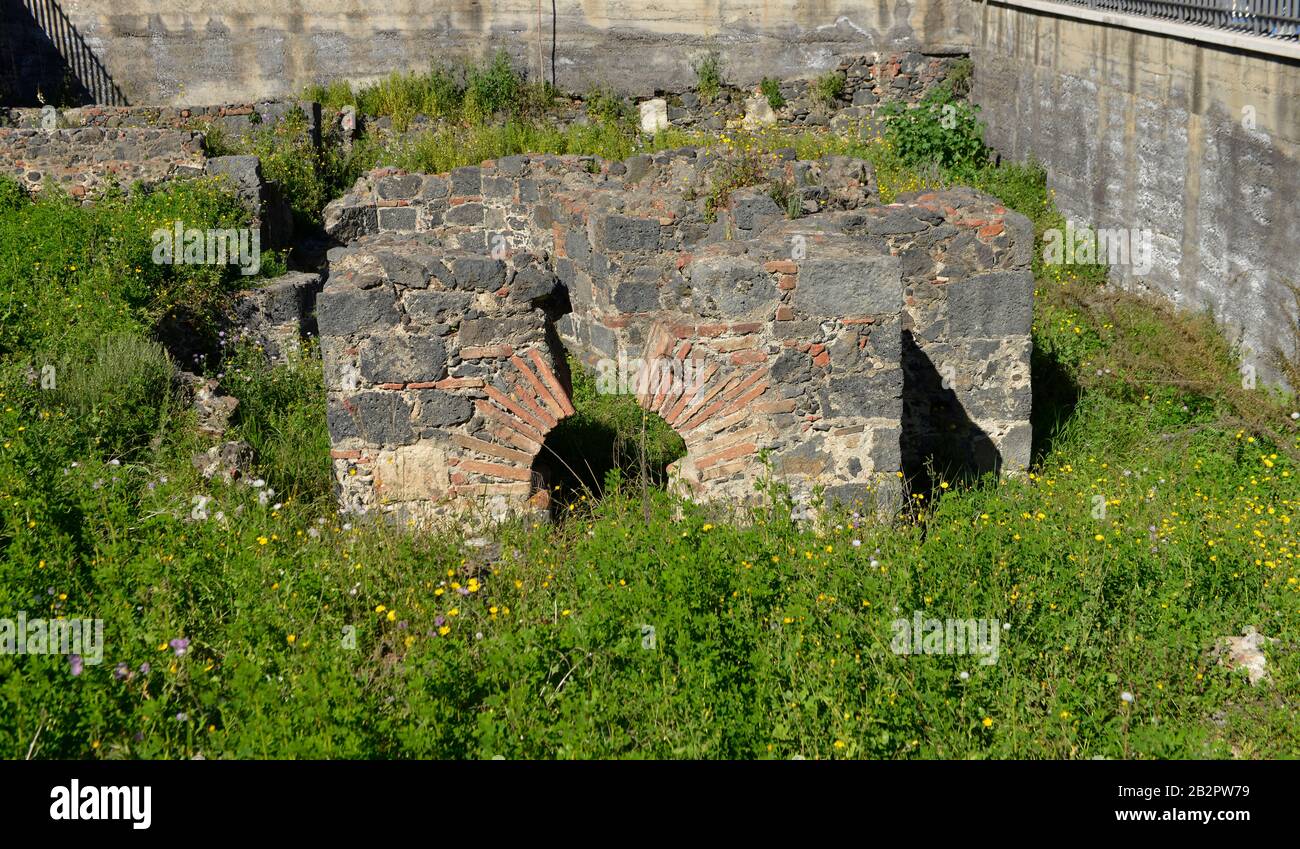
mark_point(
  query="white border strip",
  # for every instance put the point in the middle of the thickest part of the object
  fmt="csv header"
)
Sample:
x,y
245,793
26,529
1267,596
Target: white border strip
x,y
1161,26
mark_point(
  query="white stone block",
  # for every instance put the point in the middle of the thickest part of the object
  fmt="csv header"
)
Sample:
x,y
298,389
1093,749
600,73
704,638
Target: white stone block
x,y
654,115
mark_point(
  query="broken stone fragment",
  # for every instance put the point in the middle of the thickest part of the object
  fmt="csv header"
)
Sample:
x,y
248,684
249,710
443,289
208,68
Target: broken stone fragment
x,y
213,410
229,461
758,112
1245,652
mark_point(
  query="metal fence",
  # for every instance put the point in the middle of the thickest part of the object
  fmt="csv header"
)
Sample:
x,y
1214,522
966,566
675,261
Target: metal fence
x,y
1268,18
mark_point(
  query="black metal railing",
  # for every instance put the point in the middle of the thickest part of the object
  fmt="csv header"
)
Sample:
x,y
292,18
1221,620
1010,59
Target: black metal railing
x,y
1267,18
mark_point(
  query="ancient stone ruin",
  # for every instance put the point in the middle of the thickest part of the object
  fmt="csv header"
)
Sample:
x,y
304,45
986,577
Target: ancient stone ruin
x,y
794,328
836,351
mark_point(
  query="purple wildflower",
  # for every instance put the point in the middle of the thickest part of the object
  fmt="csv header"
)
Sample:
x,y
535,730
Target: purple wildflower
x,y
75,662
179,645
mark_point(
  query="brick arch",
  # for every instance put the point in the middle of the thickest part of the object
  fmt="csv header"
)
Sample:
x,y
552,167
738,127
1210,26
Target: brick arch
x,y
710,401
518,421
715,405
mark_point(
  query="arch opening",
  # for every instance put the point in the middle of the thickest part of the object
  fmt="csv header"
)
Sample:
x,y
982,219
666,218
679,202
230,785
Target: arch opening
x,y
610,441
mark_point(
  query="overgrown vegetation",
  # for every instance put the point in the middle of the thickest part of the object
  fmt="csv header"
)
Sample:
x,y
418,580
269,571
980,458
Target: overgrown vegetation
x,y
942,130
309,176
72,275
465,93
281,415
12,195
829,88
638,625
960,73
708,75
607,106
771,89
122,392
444,148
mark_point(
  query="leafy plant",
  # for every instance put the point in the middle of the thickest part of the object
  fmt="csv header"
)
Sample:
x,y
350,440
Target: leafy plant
x,y
291,160
708,75
12,194
829,88
942,129
771,89
606,106
784,194
493,89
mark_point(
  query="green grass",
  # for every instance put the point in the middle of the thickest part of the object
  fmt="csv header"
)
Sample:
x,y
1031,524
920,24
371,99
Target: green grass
x,y
770,640
469,93
708,75
122,390
71,274
281,415
447,147
319,635
829,88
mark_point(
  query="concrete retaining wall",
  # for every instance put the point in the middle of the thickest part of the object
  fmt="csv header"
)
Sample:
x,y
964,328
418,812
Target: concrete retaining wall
x,y
212,52
1200,144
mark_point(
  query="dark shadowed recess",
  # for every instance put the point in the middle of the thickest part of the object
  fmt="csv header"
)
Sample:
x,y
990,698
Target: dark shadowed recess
x,y
939,441
45,60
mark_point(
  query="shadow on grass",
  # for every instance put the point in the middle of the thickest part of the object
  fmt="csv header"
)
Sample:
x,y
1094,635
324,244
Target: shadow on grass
x,y
585,454
1055,396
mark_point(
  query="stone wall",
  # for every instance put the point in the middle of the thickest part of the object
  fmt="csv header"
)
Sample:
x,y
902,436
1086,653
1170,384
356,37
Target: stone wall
x,y
280,314
232,117
1194,141
208,51
868,82
447,313
83,160
95,146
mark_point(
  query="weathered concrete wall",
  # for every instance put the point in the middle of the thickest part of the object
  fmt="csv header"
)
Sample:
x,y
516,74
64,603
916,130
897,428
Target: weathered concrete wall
x,y
210,51
1198,144
44,58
